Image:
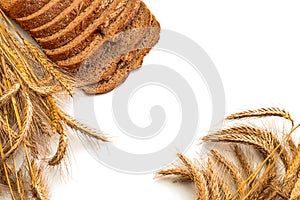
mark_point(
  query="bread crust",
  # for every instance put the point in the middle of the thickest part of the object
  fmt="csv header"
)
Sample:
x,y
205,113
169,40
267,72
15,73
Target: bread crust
x,y
44,15
61,20
21,8
80,24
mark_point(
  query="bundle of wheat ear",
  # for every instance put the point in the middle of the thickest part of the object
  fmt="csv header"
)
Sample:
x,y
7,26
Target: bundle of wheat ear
x,y
251,159
99,41
93,44
30,118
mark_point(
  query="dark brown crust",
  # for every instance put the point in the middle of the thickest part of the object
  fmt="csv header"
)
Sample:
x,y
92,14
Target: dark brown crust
x,y
87,21
62,20
46,15
21,8
75,47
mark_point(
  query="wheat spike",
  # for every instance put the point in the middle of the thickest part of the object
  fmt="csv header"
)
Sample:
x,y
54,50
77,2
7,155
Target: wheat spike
x,y
295,194
6,95
294,166
197,178
182,174
38,187
234,172
291,175
264,141
61,150
240,155
74,124
216,191
223,186
262,112
54,115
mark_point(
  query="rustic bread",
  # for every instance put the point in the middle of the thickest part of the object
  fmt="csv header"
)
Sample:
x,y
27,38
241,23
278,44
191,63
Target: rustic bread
x,y
44,15
61,20
87,21
21,8
79,43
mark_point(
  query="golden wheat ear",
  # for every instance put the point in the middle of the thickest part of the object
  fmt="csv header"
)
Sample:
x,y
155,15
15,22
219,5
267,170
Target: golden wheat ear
x,y
30,116
249,161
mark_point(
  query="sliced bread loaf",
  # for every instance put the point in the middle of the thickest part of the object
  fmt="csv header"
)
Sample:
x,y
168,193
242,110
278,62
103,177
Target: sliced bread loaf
x,y
104,41
44,15
61,20
22,8
79,43
86,22
102,52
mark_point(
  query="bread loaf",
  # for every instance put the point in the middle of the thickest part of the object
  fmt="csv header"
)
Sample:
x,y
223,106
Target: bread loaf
x,y
99,41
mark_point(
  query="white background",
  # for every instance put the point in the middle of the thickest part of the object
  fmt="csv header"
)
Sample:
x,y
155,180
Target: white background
x,y
255,46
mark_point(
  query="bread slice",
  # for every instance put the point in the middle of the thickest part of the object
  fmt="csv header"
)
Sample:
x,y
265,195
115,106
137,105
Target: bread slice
x,y
21,8
124,67
44,15
102,52
61,20
85,24
79,43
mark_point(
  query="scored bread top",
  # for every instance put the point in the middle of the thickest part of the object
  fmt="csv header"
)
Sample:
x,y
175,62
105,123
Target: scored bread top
x,y
21,8
79,24
44,15
61,20
79,43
